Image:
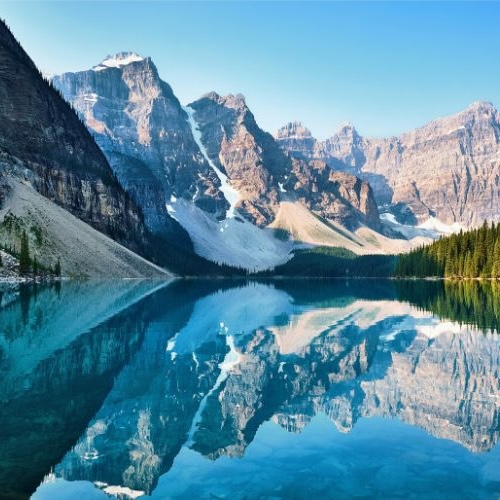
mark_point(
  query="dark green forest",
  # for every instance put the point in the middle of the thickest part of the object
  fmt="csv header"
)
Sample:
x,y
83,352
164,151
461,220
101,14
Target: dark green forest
x,y
470,254
333,262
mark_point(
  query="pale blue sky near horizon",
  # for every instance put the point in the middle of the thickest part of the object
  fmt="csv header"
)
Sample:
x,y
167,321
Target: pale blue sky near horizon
x,y
387,67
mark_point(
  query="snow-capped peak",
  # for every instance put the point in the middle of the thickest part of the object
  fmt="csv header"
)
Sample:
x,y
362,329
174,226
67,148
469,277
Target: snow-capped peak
x,y
118,61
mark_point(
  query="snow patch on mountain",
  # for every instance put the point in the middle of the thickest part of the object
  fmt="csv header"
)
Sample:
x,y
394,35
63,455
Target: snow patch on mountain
x,y
231,194
431,228
436,225
118,61
233,241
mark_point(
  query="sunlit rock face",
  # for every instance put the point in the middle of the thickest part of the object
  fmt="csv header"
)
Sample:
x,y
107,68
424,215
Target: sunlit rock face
x,y
144,132
245,153
150,143
446,169
263,175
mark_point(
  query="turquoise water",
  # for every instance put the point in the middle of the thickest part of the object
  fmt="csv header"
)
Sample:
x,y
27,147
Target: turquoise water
x,y
229,389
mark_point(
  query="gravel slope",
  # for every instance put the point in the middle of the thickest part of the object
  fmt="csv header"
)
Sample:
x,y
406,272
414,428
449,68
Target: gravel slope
x,y
82,250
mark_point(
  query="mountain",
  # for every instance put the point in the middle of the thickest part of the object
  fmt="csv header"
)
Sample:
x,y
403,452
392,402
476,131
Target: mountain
x,y
248,156
296,138
448,169
263,175
53,176
144,132
209,168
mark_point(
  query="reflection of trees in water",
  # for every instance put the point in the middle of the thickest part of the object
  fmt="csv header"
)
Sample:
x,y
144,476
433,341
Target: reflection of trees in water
x,y
475,303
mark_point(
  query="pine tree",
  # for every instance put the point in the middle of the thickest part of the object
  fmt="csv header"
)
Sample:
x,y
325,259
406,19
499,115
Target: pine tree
x,y
495,267
24,255
57,268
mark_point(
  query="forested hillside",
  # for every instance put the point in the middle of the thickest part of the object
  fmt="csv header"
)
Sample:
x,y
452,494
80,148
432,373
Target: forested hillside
x,y
471,254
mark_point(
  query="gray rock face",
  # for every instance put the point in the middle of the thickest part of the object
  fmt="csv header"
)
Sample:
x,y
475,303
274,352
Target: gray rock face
x,y
448,168
43,143
143,131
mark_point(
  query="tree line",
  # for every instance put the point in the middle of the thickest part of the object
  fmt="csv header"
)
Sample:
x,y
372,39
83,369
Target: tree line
x,y
467,254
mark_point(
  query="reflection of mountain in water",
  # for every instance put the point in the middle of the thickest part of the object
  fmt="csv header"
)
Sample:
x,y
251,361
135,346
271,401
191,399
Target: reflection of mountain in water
x,y
208,376
60,349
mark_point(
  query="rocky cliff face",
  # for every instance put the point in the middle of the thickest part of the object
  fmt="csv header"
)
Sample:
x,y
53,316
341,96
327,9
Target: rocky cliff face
x,y
144,132
246,154
263,175
334,195
447,169
44,144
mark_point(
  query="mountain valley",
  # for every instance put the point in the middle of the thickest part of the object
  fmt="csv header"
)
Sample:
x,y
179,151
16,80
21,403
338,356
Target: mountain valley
x,y
204,183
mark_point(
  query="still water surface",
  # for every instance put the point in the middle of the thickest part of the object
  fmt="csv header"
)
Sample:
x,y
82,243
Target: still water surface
x,y
228,389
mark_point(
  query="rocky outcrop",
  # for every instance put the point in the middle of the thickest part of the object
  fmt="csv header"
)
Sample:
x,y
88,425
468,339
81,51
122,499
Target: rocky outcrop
x,y
449,168
144,132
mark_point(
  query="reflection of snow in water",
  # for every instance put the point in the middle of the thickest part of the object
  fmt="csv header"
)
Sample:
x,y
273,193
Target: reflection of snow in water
x,y
231,359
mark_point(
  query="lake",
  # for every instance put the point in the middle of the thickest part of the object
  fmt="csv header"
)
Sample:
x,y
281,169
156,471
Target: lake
x,y
261,389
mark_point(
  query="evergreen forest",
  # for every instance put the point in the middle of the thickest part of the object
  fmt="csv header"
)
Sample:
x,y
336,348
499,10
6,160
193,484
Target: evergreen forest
x,y
470,254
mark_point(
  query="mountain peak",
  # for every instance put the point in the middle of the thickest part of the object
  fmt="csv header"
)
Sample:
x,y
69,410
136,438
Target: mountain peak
x,y
347,129
346,126
118,61
293,130
481,106
236,101
212,95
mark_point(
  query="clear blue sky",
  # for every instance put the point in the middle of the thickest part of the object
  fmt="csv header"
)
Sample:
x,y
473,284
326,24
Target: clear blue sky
x,y
386,67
